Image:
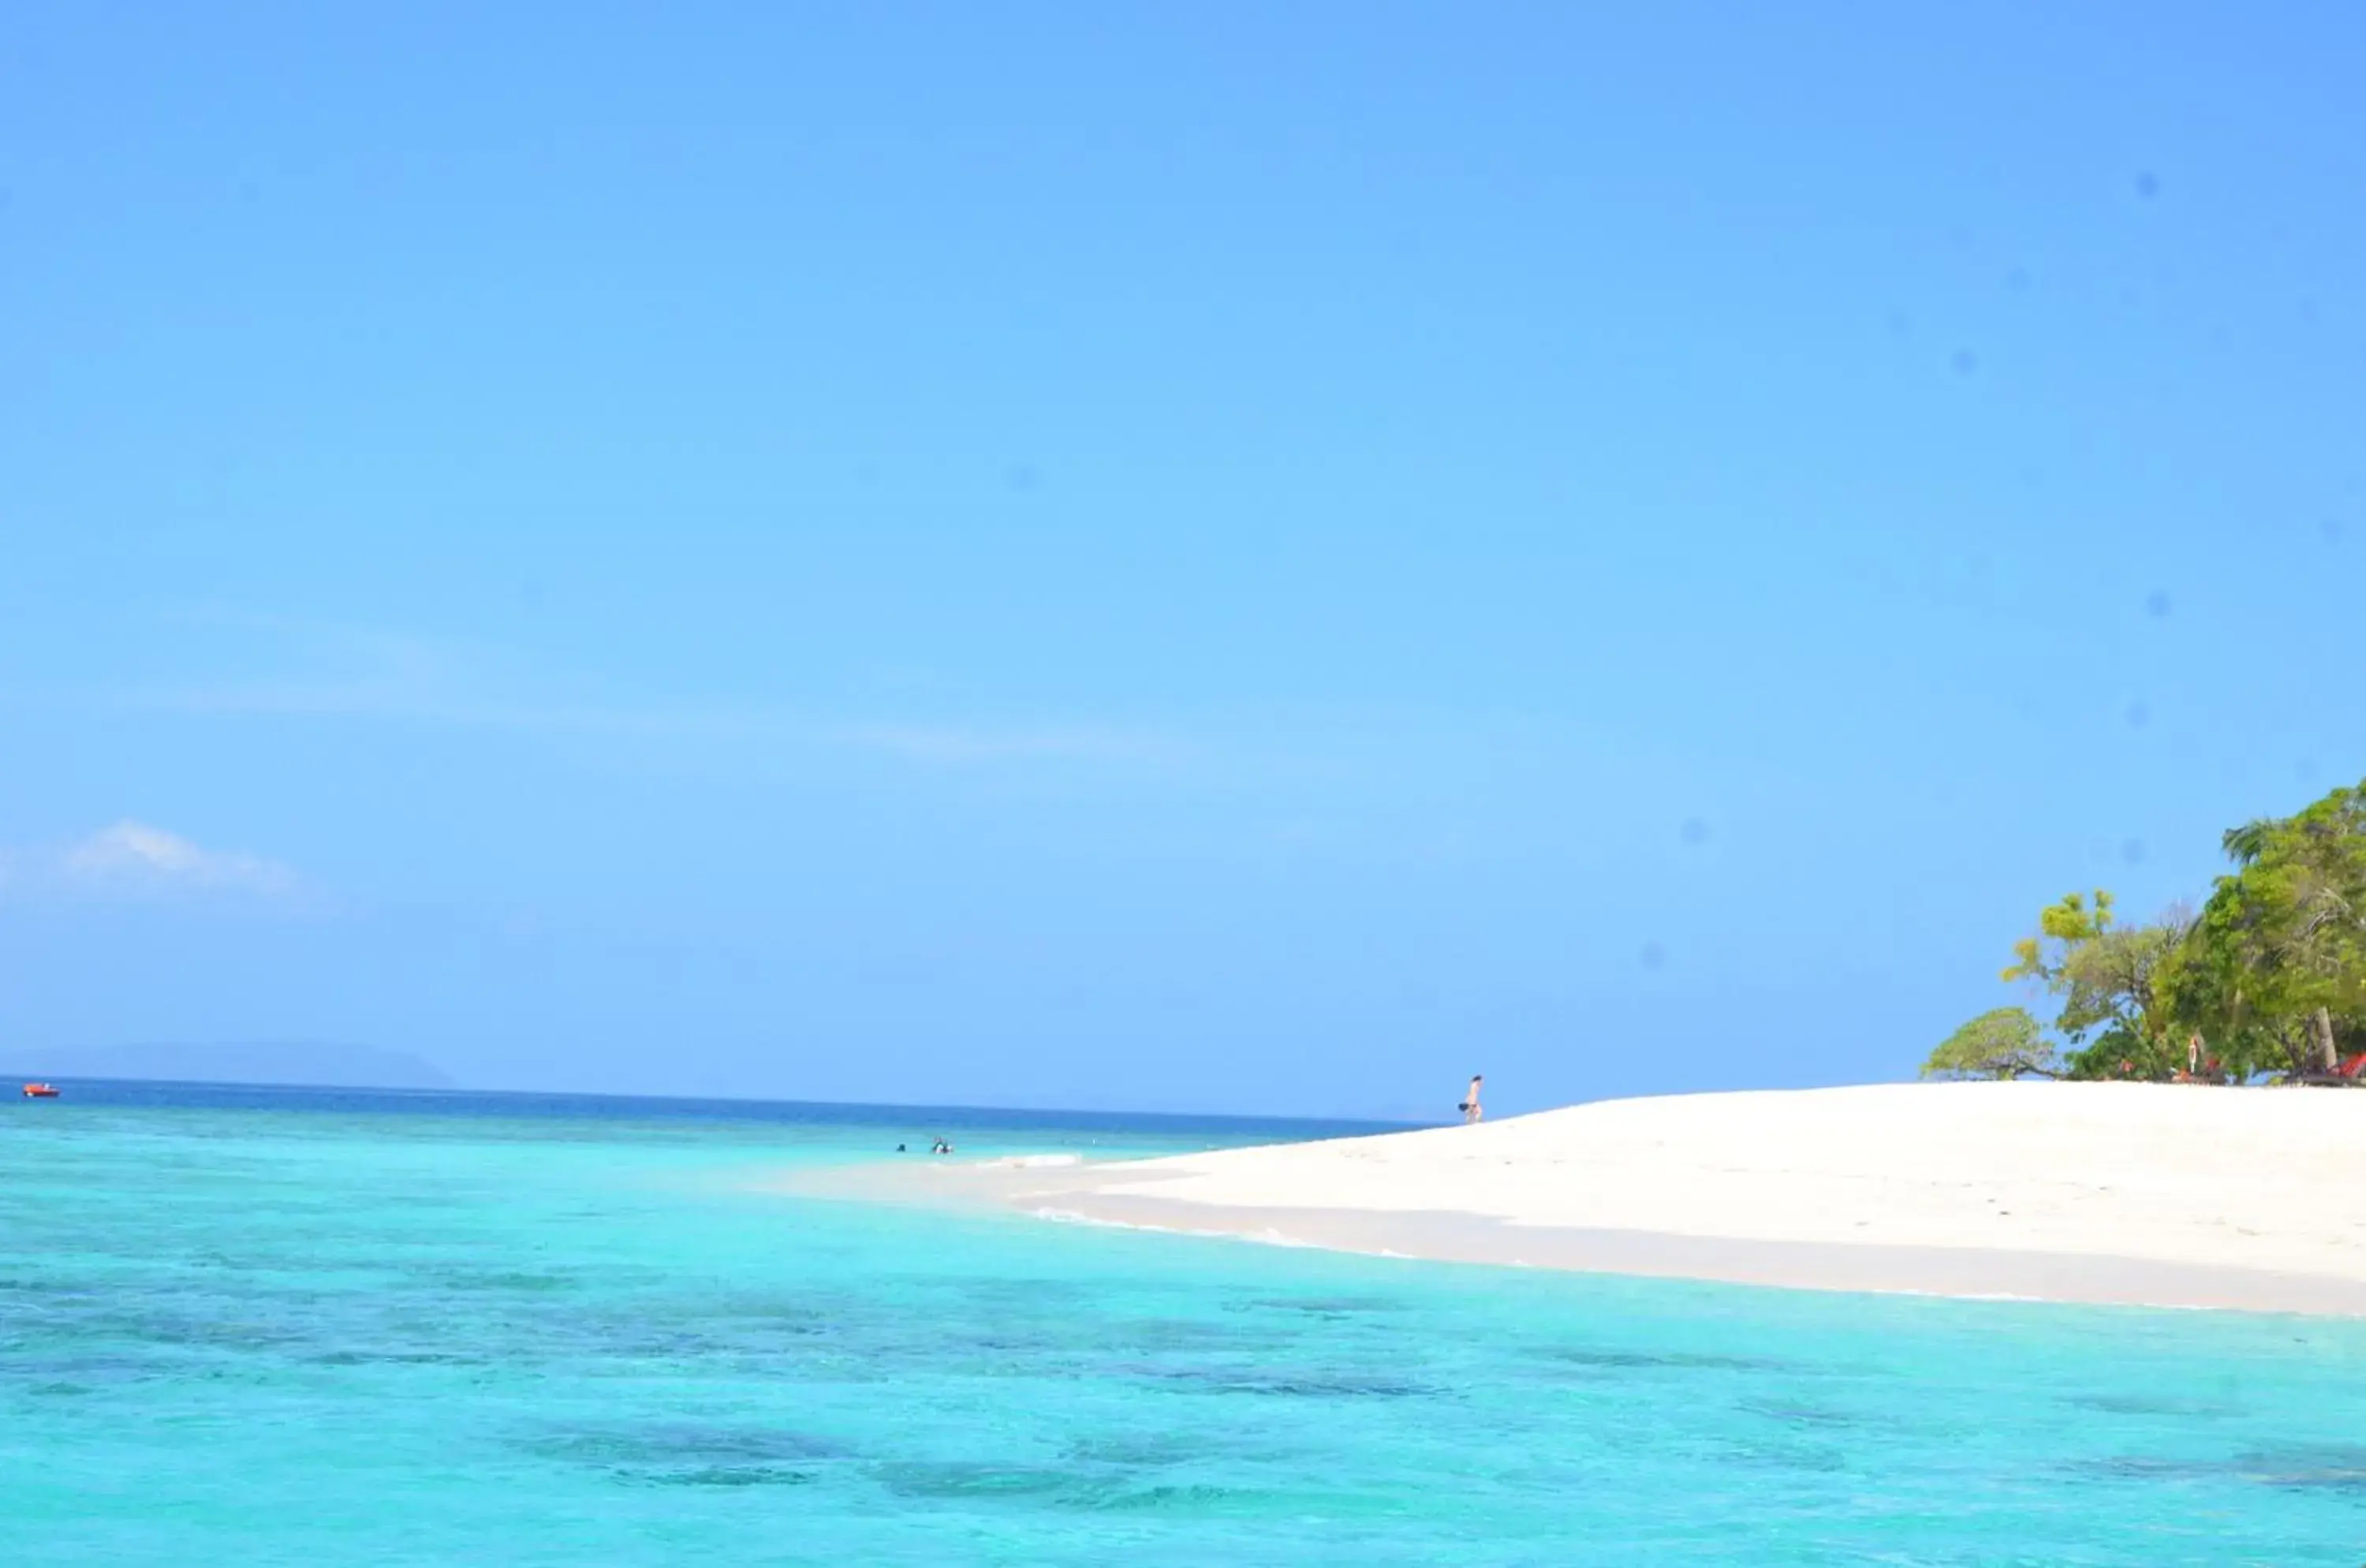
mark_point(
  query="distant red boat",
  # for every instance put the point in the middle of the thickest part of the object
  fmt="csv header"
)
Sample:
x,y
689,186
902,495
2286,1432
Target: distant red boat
x,y
40,1091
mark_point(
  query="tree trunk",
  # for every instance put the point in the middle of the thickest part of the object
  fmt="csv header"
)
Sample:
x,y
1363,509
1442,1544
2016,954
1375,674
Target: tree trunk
x,y
2320,1033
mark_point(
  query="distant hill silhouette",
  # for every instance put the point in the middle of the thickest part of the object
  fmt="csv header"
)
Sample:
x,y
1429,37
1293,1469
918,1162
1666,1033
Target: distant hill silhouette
x,y
303,1062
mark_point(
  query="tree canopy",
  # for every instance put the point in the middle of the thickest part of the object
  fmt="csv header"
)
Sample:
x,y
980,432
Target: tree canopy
x,y
2005,1042
2269,977
2275,969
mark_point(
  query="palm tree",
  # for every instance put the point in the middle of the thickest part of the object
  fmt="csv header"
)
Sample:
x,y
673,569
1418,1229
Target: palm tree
x,y
2244,844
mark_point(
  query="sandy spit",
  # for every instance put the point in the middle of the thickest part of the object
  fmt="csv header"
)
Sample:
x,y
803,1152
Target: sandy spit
x,y
2161,1195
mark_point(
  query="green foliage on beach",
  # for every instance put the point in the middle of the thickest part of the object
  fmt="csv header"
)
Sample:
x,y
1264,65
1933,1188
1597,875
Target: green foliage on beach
x,y
2268,978
2005,1042
2274,971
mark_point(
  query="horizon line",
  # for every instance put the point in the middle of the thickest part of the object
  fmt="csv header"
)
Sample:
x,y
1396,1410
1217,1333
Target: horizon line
x,y
454,1090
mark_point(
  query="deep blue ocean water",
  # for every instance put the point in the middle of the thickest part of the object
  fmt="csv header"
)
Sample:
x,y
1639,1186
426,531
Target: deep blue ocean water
x,y
257,1326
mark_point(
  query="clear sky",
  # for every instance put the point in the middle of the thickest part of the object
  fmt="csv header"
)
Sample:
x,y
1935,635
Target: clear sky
x,y
1221,556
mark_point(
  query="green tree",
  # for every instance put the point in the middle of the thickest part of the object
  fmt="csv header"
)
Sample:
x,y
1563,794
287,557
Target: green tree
x,y
2243,844
2066,924
2112,1002
2006,1043
2219,988
2274,973
2107,976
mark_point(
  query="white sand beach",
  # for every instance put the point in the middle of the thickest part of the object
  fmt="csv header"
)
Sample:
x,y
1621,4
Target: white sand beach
x,y
2163,1195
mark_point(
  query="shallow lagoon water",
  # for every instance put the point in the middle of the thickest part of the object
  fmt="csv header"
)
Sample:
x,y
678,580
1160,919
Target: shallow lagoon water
x,y
278,1327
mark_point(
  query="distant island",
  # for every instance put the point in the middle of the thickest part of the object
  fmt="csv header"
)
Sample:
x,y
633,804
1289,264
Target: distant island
x,y
309,1063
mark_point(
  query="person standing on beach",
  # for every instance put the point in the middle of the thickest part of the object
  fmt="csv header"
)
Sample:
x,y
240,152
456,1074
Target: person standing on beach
x,y
1469,1106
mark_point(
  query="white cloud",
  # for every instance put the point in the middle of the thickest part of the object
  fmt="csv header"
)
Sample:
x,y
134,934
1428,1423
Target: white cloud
x,y
134,857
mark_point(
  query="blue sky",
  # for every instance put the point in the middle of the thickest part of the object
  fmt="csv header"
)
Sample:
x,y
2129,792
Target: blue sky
x,y
1218,558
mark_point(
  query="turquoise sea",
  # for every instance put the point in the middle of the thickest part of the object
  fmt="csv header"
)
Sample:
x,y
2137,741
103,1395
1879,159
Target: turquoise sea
x,y
274,1326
